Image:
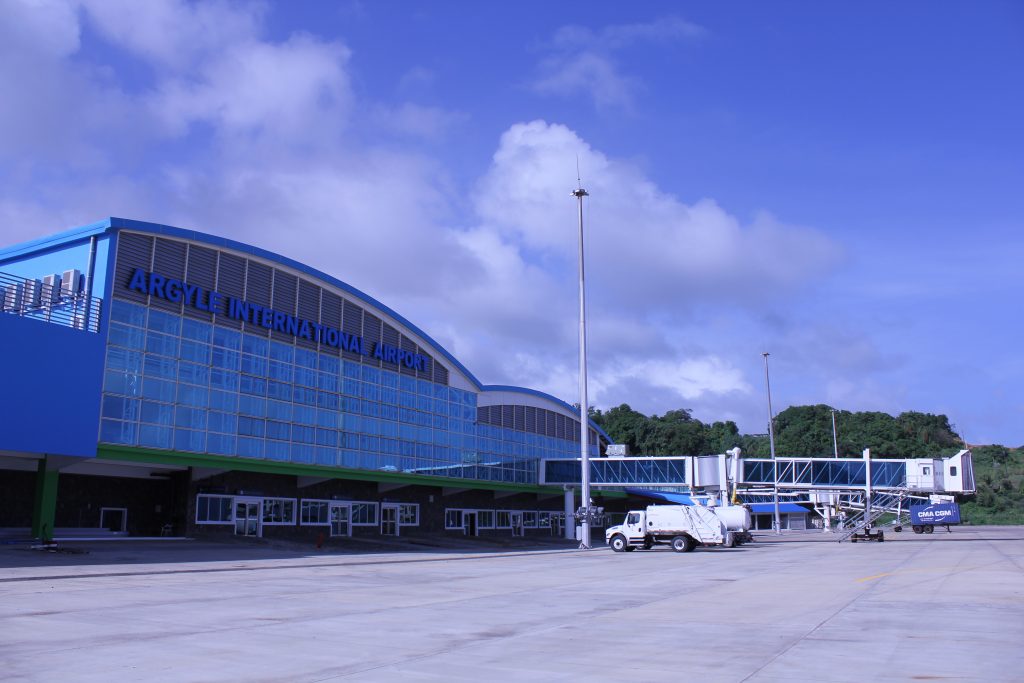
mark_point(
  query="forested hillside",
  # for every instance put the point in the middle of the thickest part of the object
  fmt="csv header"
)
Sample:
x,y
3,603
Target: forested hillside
x,y
806,431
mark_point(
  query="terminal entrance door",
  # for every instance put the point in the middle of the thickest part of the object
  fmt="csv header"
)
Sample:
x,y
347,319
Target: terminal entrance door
x,y
469,523
389,520
341,519
247,517
557,523
517,523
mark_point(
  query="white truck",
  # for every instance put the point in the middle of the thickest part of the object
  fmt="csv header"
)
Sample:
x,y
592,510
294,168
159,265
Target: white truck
x,y
683,527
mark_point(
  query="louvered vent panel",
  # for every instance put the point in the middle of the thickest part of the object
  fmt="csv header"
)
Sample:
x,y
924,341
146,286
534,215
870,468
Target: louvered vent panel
x,y
519,418
352,322
330,315
506,417
201,269
530,419
391,336
573,427
230,283
133,251
559,426
483,414
309,309
408,346
259,279
285,288
372,326
440,373
428,372
169,261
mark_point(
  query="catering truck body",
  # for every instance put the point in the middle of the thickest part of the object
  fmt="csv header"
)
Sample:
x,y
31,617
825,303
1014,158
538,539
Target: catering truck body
x,y
683,527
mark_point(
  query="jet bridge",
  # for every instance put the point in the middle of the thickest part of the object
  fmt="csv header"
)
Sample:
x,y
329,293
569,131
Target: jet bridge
x,y
952,475
857,491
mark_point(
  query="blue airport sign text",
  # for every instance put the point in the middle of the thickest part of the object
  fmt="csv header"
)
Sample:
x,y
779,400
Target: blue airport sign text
x,y
202,299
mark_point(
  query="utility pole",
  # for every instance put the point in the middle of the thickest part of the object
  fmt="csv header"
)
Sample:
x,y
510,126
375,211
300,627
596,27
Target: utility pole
x,y
777,522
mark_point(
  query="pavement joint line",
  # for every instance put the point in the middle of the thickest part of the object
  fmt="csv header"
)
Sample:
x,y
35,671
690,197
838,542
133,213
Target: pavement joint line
x,y
921,570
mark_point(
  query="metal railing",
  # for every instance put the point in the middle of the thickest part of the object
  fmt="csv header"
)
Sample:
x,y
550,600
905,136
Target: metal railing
x,y
896,503
50,303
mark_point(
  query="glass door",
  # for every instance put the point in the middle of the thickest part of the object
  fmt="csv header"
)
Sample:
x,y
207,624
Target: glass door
x,y
247,517
341,520
557,523
517,523
389,520
469,523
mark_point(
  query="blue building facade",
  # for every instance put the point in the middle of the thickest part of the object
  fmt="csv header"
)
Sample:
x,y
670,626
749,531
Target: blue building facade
x,y
196,354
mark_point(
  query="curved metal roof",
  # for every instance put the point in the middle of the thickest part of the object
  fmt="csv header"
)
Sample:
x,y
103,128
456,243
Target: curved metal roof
x,y
113,224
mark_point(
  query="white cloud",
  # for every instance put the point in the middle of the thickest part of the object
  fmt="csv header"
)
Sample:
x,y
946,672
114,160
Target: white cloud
x,y
589,73
416,80
674,253
416,120
174,34
582,60
254,140
296,92
618,36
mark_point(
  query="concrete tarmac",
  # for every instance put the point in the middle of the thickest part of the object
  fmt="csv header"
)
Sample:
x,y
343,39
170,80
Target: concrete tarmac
x,y
945,607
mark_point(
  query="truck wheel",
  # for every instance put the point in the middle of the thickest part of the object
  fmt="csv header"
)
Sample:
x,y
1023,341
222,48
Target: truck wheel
x,y
648,543
918,529
618,543
881,537
929,528
730,540
682,544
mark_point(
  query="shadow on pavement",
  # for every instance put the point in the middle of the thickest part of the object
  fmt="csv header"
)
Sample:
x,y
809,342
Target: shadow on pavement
x,y
124,553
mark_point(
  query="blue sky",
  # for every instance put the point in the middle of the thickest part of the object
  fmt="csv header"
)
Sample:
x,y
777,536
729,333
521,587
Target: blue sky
x,y
836,183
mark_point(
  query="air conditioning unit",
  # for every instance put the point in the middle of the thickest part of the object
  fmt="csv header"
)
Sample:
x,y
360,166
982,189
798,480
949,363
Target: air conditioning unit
x,y
12,298
51,289
71,282
31,293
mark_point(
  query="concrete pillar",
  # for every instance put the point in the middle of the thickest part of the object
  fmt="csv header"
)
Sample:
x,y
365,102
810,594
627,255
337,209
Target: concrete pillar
x,y
44,508
570,511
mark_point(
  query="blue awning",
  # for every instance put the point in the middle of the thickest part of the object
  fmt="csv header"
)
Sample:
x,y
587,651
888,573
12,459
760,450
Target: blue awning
x,y
769,508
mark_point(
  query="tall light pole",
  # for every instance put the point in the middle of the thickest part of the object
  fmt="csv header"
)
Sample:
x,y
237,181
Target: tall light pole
x,y
777,523
580,193
835,438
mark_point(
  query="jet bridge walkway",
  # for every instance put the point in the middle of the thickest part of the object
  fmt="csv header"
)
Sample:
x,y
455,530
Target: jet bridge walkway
x,y
861,489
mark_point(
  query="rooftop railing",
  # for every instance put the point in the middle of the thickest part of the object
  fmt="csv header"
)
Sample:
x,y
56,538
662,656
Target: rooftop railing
x,y
50,300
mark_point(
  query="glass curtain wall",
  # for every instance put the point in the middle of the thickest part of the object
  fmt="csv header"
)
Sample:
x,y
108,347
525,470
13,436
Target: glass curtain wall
x,y
176,383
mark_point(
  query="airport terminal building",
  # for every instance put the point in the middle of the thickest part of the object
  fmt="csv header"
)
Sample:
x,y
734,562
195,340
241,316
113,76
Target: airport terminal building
x,y
164,381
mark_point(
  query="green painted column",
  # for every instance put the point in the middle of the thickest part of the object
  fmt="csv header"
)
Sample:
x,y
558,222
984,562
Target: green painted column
x,y
44,510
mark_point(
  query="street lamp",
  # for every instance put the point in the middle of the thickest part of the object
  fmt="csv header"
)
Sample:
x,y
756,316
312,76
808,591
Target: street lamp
x,y
777,523
580,193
